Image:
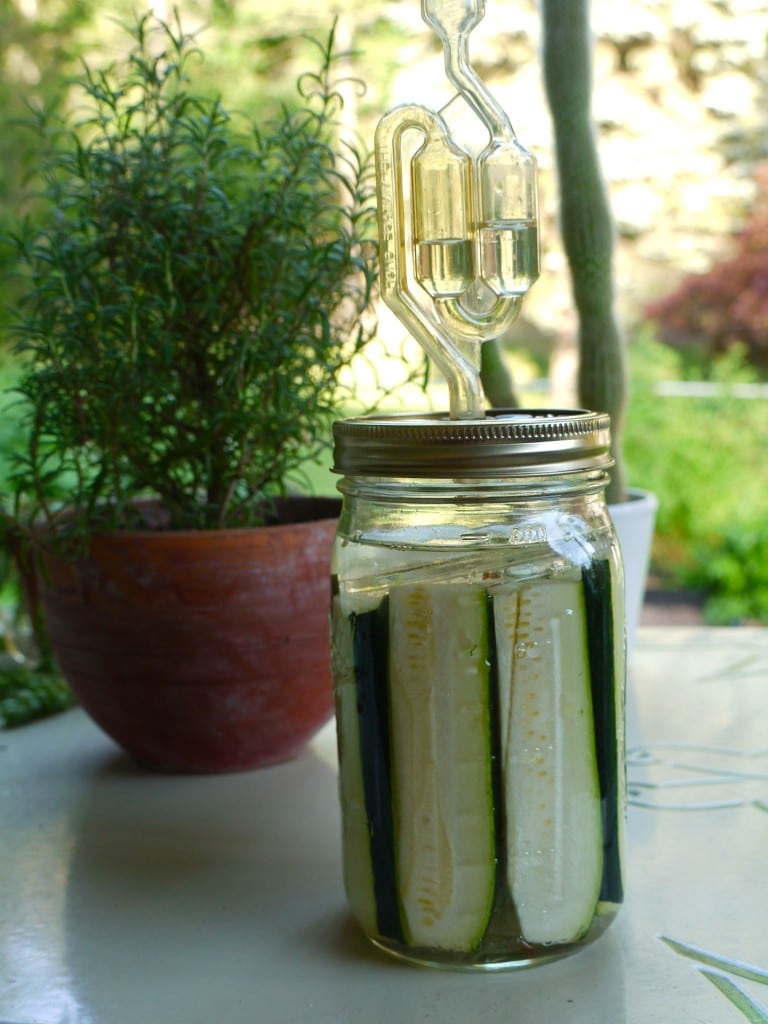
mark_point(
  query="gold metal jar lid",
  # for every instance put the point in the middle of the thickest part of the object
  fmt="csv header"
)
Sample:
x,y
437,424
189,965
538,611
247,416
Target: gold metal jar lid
x,y
506,442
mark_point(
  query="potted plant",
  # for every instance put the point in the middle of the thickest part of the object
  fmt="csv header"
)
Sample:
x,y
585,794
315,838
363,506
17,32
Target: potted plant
x,y
193,289
587,232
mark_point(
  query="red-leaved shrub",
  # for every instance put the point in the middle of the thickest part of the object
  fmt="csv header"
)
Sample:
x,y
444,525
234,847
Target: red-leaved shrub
x,y
729,303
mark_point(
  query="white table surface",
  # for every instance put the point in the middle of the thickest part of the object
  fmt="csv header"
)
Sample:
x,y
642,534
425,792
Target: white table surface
x,y
129,898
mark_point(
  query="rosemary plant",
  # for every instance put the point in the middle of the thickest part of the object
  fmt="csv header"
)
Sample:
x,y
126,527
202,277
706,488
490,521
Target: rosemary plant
x,y
192,293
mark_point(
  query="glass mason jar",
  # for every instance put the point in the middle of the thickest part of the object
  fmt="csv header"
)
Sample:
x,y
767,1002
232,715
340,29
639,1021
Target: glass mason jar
x,y
478,663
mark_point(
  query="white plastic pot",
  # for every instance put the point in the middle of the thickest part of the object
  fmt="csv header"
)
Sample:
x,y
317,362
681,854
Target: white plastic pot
x,y
634,522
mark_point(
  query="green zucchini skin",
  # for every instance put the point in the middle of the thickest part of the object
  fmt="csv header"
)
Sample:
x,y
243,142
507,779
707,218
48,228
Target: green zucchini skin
x,y
601,647
497,753
357,872
370,640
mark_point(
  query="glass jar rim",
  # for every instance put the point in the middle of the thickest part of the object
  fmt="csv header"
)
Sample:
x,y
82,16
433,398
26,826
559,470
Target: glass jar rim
x,y
504,443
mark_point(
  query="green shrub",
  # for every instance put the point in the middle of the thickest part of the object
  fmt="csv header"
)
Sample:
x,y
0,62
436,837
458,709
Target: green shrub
x,y
736,575
703,458
30,688
11,442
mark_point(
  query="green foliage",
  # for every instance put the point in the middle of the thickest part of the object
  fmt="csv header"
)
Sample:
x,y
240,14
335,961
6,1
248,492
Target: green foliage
x,y
702,457
193,292
35,55
10,416
736,574
30,685
10,445
28,694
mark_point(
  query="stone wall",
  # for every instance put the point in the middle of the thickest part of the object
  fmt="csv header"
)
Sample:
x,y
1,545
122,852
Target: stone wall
x,y
680,90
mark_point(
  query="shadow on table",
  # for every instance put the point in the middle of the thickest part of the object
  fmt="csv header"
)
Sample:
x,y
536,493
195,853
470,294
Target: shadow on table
x,y
185,884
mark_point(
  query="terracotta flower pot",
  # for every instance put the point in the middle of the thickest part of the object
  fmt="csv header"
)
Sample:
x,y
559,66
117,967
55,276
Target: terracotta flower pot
x,y
199,651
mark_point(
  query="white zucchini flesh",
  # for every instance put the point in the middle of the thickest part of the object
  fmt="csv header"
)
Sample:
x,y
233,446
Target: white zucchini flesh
x,y
356,848
441,763
549,767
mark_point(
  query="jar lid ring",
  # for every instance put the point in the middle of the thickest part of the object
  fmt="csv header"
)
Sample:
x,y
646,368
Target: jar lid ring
x,y
502,443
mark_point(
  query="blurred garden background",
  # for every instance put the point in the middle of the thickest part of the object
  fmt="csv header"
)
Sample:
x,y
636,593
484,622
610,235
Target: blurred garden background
x,y
680,101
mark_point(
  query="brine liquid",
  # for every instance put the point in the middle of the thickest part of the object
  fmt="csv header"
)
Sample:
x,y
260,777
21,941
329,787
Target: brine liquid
x,y
444,268
510,256
366,643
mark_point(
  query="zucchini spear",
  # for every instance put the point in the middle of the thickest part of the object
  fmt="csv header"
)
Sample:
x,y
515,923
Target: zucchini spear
x,y
552,795
439,675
